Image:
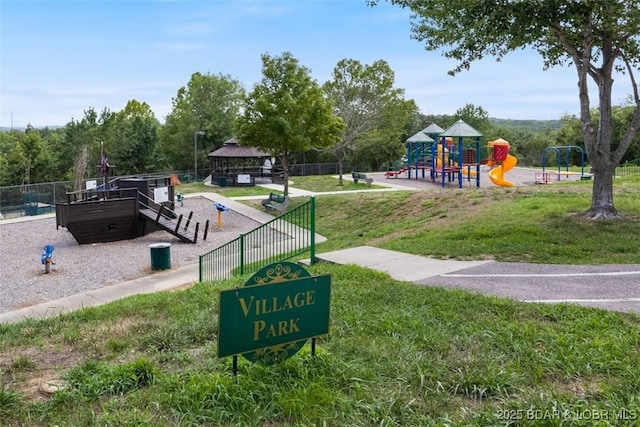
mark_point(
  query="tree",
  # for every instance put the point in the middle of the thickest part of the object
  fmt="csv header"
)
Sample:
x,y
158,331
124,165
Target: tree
x,y
476,117
362,96
29,159
598,37
131,139
81,147
209,103
286,112
386,144
621,117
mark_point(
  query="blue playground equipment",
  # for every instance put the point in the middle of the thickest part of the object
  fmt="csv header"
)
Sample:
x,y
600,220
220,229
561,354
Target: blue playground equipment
x,y
447,155
221,208
455,160
545,176
47,257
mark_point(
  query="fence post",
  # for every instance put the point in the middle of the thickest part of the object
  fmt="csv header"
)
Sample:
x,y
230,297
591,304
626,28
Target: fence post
x,y
241,254
312,220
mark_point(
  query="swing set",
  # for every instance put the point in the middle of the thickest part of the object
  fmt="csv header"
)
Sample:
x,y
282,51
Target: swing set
x,y
545,177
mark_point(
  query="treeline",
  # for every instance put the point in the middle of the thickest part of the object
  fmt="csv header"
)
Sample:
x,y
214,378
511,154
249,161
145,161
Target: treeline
x,y
375,121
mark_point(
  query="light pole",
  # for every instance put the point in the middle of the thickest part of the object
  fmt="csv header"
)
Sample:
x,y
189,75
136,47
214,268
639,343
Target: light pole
x,y
195,153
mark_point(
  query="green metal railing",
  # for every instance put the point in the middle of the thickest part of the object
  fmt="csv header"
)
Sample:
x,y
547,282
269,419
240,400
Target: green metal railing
x,y
286,236
628,169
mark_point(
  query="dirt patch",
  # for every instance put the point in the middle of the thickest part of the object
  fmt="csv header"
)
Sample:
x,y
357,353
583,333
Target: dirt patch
x,y
46,363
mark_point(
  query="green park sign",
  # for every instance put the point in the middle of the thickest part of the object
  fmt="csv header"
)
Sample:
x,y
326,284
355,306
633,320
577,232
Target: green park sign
x,y
270,318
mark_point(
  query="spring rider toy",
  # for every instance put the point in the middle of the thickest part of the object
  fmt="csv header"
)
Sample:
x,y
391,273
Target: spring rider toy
x,y
47,257
221,208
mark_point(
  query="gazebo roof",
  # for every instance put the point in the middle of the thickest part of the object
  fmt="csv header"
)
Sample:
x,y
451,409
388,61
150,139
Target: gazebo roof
x,y
231,149
460,128
432,129
420,137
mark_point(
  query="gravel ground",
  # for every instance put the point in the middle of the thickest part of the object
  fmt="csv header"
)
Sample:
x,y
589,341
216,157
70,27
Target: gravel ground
x,y
80,268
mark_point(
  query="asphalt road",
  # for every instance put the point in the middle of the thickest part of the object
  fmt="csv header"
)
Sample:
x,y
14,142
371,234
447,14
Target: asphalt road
x,y
611,287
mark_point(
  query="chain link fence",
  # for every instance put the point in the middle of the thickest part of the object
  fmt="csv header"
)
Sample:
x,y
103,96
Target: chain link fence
x,y
41,198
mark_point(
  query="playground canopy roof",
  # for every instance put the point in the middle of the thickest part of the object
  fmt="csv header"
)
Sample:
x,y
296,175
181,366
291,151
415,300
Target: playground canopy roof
x,y
432,129
231,149
420,137
460,129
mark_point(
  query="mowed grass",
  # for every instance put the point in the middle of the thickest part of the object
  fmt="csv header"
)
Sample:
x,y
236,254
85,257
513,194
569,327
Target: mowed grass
x,y
540,224
396,354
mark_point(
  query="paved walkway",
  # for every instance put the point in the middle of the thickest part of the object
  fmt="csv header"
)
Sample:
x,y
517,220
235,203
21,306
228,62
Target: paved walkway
x,y
614,287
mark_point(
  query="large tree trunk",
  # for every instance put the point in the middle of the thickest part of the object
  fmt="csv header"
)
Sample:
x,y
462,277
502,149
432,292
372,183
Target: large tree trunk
x,y
597,139
602,195
603,166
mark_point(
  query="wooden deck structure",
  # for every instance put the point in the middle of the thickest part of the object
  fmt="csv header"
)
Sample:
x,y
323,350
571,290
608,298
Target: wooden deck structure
x,y
130,208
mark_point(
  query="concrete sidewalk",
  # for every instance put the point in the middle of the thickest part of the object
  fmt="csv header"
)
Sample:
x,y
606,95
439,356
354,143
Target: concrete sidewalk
x,y
582,285
160,281
399,265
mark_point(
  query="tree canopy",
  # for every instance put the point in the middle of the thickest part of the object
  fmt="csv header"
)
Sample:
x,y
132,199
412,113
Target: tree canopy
x,y
373,110
286,112
208,103
596,37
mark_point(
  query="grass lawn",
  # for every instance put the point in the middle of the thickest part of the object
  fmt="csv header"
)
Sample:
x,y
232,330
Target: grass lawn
x,y
396,354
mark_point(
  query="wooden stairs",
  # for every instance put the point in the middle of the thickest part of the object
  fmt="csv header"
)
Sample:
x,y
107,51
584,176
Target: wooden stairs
x,y
174,226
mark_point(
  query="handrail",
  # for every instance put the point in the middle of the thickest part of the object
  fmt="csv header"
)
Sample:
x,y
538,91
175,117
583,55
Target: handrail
x,y
626,169
284,237
106,194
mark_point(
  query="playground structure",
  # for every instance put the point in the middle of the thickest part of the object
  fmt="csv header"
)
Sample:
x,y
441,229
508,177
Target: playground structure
x,y
545,177
124,208
501,162
444,156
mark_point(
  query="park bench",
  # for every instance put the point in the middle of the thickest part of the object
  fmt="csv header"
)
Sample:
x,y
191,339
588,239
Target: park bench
x,y
357,176
276,202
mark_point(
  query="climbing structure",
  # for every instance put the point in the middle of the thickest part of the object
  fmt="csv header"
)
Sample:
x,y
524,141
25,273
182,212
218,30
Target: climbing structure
x,y
450,155
123,209
457,156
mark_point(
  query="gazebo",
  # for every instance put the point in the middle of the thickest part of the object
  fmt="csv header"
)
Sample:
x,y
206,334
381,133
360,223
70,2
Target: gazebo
x,y
238,165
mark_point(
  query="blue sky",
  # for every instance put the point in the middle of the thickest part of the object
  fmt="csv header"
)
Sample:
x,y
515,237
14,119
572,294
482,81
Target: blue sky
x,y
59,58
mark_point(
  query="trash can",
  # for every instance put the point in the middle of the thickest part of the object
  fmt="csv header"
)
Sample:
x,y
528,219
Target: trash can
x,y
222,181
160,256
